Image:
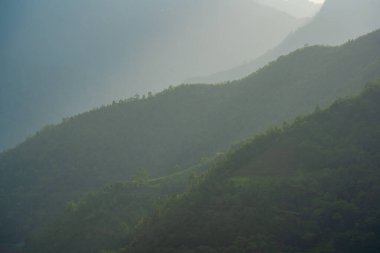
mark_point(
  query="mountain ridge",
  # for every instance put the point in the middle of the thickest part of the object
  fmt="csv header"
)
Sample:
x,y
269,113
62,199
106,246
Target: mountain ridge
x,y
331,152
337,22
320,199
61,58
171,130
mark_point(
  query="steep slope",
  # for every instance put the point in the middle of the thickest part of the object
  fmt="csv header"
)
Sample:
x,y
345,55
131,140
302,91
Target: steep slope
x,y
337,22
309,187
170,130
58,58
104,219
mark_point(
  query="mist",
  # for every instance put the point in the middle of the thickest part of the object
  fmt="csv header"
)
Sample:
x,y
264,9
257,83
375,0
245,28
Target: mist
x,y
337,22
108,144
297,8
59,58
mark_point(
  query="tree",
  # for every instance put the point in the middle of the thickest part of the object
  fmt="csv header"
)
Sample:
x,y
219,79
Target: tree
x,y
141,177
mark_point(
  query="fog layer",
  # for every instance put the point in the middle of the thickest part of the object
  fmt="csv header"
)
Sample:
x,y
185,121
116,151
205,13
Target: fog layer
x,y
59,58
337,22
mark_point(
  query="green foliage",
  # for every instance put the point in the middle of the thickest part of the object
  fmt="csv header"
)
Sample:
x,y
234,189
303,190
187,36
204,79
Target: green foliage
x,y
172,129
100,221
309,187
104,219
141,177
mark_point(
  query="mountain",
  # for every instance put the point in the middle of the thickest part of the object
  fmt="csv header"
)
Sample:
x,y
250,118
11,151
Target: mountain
x,y
104,219
307,187
325,166
337,22
297,8
59,58
171,130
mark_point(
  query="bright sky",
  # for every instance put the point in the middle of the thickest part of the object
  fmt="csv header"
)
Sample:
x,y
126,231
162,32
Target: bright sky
x,y
317,1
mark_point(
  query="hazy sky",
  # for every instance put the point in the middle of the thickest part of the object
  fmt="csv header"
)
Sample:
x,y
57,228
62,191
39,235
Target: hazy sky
x,y
317,1
296,8
64,57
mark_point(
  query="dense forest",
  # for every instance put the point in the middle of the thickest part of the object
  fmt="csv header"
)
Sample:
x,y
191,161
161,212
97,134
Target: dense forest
x,y
104,219
170,131
309,186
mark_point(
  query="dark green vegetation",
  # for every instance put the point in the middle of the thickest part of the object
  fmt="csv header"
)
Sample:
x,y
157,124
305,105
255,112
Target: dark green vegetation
x,y
170,131
309,187
104,219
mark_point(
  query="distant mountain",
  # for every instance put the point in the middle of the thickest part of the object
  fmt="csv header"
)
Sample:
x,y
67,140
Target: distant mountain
x,y
171,130
337,22
59,58
297,8
308,187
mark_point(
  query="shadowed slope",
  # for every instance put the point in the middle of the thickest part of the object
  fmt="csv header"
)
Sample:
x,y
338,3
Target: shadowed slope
x,y
170,130
319,199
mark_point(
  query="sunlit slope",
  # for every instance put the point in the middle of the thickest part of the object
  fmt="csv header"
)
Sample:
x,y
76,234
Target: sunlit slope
x,y
337,22
172,129
309,187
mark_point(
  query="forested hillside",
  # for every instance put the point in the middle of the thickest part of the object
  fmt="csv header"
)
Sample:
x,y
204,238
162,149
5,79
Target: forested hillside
x,y
104,219
170,130
307,187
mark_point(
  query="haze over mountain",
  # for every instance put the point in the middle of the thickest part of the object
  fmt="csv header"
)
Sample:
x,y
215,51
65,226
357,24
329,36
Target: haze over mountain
x,y
171,130
58,58
297,8
152,173
337,22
